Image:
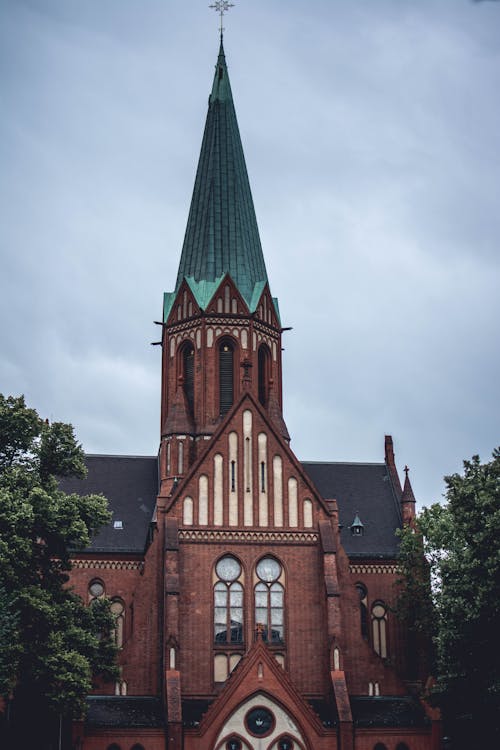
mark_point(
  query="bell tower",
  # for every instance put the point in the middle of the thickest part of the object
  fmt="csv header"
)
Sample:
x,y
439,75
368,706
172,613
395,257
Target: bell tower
x,y
221,326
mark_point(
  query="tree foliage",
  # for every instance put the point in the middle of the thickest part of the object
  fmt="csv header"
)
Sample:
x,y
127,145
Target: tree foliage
x,y
462,545
51,644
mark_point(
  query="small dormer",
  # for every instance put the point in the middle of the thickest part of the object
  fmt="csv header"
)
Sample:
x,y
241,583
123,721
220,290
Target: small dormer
x,y
357,527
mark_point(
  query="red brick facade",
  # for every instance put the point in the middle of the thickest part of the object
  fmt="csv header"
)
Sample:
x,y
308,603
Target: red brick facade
x,y
246,618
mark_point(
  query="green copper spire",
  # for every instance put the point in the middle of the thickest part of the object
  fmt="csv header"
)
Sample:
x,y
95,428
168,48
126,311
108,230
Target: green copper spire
x,y
222,234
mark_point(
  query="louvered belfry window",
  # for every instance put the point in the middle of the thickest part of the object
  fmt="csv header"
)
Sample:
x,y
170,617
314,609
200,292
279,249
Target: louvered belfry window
x,y
264,360
226,376
188,372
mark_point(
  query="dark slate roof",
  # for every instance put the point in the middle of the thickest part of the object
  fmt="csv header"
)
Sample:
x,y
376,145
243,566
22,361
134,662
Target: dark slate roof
x,y
222,234
118,711
130,483
366,490
326,712
388,711
193,710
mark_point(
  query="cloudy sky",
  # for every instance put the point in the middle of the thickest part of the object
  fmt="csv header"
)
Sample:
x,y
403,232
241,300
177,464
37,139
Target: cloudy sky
x,y
371,130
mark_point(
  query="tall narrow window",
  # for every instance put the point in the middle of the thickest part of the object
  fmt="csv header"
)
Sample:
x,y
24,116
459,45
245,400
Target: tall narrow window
x,y
188,374
226,376
379,628
269,600
118,610
228,602
363,609
264,362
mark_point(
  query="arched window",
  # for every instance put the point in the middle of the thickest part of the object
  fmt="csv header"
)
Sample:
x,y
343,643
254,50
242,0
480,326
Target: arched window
x,y
402,746
269,600
96,589
188,373
118,610
226,376
379,628
380,746
114,746
264,361
228,601
363,609
137,746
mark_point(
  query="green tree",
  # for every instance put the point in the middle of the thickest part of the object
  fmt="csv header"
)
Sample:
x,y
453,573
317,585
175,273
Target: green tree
x,y
462,545
51,644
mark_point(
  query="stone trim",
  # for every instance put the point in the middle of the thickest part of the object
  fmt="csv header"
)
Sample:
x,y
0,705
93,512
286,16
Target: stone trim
x,y
365,568
108,564
263,537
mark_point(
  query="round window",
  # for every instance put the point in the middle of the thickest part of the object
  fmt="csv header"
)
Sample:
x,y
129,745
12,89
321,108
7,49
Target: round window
x,y
96,588
378,610
259,721
268,569
228,569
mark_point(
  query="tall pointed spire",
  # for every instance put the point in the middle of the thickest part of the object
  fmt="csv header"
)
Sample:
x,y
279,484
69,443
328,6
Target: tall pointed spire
x,y
222,234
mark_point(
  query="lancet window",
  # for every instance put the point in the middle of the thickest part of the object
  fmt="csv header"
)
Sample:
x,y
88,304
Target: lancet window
x,y
269,595
226,375
188,373
228,601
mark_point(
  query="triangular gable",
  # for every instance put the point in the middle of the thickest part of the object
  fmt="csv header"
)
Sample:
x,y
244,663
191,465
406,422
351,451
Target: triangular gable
x,y
180,306
265,488
226,299
258,674
266,307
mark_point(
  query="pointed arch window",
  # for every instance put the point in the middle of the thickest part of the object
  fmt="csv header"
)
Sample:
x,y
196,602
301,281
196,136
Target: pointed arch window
x,y
363,609
226,376
228,601
188,373
270,600
264,368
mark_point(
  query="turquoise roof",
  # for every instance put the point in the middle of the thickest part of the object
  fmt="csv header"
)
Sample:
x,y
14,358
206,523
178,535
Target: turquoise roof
x,y
221,234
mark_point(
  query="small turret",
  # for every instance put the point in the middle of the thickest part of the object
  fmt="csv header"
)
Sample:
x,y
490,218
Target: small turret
x,y
408,501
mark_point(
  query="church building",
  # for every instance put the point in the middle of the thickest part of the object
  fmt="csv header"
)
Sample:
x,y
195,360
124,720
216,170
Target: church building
x,y
252,592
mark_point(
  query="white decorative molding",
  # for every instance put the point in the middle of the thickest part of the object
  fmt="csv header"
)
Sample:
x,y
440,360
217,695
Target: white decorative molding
x,y
377,568
264,537
108,564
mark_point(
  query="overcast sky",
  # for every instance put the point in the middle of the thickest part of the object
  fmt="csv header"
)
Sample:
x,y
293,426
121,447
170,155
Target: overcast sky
x,y
371,130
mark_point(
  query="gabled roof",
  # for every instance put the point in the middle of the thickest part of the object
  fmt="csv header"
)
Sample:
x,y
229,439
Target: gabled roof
x,y
364,490
221,234
130,483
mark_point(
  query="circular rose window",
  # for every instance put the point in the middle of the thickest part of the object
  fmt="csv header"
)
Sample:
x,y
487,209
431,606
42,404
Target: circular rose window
x,y
259,722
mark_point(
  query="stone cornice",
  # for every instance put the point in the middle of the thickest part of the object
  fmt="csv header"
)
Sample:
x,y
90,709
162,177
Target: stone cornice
x,y
244,537
369,568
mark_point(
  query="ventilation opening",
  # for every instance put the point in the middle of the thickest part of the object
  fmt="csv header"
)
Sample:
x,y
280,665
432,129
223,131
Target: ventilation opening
x,y
188,373
226,377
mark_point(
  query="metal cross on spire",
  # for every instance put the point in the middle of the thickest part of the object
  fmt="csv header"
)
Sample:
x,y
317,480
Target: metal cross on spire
x,y
221,6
